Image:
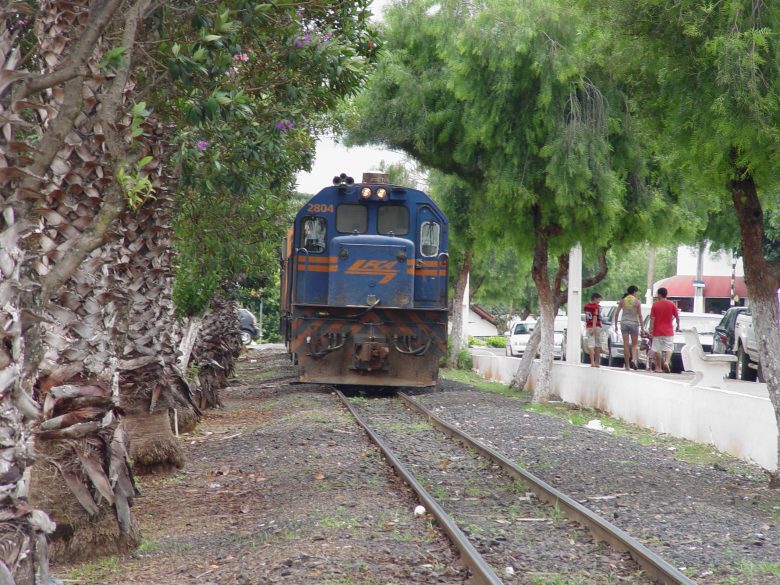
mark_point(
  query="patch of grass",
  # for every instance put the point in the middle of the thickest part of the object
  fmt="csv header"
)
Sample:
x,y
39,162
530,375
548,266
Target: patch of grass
x,y
399,536
771,507
336,522
473,492
554,513
754,571
362,580
474,379
148,546
398,427
437,492
558,579
95,572
517,488
256,377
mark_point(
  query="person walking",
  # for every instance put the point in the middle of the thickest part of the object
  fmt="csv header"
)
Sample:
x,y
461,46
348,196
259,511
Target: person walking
x,y
662,314
593,329
630,326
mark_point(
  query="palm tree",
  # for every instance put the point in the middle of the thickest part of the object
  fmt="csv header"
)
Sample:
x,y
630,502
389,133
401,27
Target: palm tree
x,y
216,349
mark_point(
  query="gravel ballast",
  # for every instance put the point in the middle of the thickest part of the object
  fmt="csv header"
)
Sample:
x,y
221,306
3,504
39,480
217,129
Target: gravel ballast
x,y
718,527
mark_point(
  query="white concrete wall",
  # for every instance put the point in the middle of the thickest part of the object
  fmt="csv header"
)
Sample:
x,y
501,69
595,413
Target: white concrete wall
x,y
739,421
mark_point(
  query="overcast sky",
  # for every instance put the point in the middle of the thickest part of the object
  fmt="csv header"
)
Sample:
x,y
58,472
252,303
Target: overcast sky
x,y
333,159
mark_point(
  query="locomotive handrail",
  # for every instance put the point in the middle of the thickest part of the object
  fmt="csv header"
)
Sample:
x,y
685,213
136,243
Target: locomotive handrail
x,y
438,285
295,271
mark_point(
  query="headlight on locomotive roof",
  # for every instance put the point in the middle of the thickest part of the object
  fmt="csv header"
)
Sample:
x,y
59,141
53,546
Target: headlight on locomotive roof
x,y
365,192
381,193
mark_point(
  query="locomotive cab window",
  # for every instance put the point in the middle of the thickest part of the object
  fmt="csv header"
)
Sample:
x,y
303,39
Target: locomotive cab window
x,y
314,234
429,238
351,218
393,218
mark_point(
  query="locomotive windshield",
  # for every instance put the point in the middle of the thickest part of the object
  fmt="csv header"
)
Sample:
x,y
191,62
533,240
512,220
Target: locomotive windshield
x,y
351,218
314,234
429,238
393,218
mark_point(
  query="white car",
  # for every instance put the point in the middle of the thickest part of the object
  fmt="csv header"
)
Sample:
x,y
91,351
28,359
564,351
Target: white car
x,y
518,337
559,337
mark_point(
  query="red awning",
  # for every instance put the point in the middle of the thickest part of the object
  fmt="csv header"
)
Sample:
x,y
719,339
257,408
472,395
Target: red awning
x,y
715,287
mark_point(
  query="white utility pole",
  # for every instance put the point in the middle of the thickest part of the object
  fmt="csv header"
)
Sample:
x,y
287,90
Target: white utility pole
x,y
698,284
650,276
574,304
465,311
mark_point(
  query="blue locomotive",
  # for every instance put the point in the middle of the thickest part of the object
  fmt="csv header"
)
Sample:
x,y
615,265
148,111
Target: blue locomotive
x,y
364,285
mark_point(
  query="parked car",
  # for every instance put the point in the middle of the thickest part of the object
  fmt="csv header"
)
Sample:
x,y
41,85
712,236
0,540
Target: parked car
x,y
723,341
559,339
248,325
566,335
518,337
704,323
746,348
606,307
612,354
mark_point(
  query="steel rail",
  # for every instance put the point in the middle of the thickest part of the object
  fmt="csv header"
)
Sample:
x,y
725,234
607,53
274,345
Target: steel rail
x,y
656,567
482,573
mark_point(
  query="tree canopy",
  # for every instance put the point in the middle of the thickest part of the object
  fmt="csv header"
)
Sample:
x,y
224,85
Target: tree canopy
x,y
253,86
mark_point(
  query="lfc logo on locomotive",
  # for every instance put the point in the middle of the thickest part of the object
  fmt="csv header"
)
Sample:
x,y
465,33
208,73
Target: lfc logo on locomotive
x,y
384,268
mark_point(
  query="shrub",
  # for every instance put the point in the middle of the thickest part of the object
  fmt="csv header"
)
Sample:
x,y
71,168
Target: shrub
x,y
497,341
475,341
464,360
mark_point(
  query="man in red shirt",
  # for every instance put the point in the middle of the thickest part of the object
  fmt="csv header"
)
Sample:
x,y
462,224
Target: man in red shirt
x,y
593,329
662,330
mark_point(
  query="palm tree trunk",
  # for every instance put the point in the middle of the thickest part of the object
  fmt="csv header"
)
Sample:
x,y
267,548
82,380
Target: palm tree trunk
x,y
216,350
150,383
53,189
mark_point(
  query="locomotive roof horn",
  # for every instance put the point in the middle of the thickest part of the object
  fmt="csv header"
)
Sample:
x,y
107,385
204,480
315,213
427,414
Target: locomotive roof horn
x,y
343,180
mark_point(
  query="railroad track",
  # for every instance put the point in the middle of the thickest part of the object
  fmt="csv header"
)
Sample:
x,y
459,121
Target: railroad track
x,y
499,516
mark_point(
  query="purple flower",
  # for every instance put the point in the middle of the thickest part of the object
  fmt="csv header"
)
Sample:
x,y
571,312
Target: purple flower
x,y
285,125
306,40
243,57
326,37
202,144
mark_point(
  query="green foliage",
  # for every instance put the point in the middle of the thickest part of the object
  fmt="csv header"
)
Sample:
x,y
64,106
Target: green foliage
x,y
628,266
113,59
253,85
496,341
464,359
705,76
531,136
